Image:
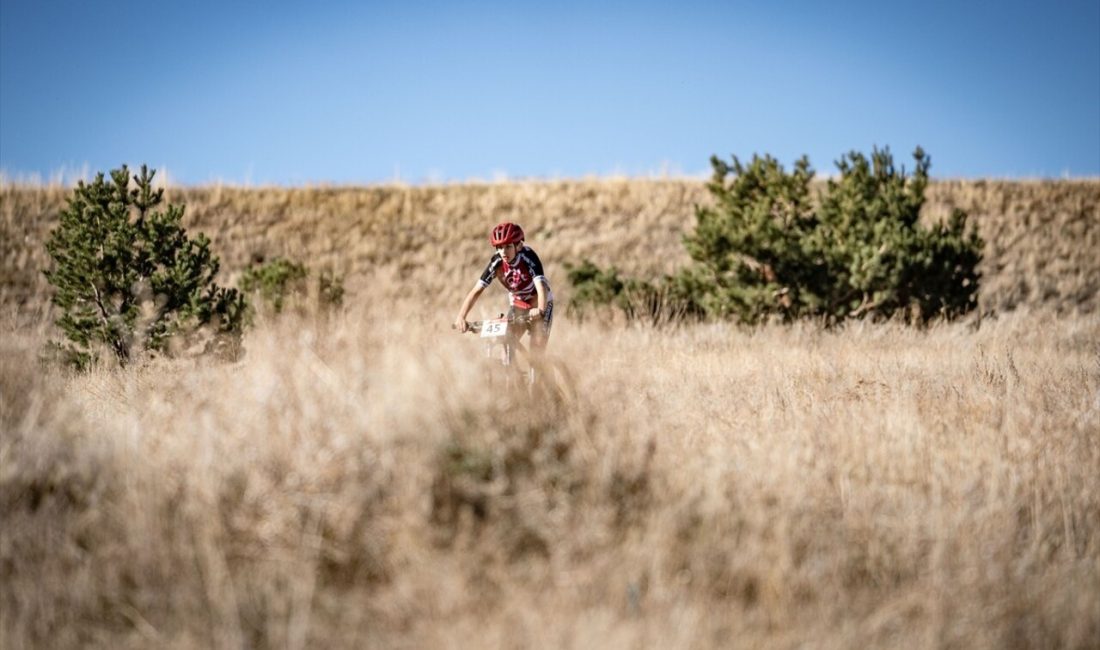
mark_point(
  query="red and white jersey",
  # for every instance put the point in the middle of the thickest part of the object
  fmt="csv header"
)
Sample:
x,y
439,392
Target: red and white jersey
x,y
518,277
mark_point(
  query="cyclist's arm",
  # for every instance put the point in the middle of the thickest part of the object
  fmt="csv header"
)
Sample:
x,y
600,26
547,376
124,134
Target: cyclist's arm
x,y
468,304
540,289
542,286
479,287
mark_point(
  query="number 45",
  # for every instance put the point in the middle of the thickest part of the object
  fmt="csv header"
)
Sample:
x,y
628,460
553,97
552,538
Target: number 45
x,y
494,328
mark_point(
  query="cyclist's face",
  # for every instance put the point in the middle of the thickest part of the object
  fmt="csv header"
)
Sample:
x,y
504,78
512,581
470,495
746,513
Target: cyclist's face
x,y
508,251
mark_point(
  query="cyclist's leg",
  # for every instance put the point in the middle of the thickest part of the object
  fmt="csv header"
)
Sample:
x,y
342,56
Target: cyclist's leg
x,y
540,331
530,328
554,378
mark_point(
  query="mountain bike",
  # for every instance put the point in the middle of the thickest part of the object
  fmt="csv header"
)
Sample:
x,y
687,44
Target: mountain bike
x,y
514,367
501,343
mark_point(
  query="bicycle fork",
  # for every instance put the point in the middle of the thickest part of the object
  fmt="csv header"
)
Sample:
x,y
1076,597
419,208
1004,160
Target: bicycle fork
x,y
513,376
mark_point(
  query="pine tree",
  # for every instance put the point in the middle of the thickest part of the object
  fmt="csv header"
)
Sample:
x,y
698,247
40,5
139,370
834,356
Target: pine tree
x,y
127,276
766,249
883,260
750,249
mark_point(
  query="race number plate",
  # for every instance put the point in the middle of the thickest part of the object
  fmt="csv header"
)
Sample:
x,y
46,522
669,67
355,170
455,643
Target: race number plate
x,y
494,328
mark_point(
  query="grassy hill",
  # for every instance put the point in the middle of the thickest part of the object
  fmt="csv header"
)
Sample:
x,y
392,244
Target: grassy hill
x,y
426,244
353,482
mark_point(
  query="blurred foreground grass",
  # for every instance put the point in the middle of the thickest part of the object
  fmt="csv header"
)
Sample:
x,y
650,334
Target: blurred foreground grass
x,y
351,483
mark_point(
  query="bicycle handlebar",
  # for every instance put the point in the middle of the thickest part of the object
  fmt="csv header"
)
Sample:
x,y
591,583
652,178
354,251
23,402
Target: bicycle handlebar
x,y
476,325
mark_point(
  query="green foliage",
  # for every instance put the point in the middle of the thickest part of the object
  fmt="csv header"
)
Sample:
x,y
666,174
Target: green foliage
x,y
881,259
755,248
128,276
273,282
766,250
595,286
330,289
656,303
280,282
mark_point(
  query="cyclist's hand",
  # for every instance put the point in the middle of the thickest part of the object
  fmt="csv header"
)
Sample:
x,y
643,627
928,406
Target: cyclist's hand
x,y
534,313
461,325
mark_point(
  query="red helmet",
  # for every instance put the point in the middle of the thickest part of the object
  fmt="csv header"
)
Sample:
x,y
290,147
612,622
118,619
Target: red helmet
x,y
506,233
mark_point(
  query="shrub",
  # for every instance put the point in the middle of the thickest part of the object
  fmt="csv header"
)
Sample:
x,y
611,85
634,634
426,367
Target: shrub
x,y
881,259
274,282
127,276
330,289
278,283
656,303
766,249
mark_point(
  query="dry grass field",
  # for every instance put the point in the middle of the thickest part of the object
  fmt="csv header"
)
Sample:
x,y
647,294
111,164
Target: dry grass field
x,y
351,483
394,241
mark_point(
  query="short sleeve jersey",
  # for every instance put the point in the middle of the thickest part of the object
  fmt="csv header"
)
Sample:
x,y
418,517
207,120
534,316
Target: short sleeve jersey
x,y
518,278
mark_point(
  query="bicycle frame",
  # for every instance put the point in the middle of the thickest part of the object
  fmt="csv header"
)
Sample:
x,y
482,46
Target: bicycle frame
x,y
551,381
500,332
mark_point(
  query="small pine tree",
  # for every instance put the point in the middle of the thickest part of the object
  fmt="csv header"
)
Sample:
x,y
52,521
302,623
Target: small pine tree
x,y
751,249
881,260
127,275
767,250
764,250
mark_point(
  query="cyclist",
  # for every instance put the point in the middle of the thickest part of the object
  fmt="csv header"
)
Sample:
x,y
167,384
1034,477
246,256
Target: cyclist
x,y
520,271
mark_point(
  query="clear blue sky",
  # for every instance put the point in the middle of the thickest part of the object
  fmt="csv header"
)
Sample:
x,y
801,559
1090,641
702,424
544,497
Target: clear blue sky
x,y
366,92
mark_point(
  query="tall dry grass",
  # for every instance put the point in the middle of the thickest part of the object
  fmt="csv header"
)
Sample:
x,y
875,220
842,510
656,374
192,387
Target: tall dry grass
x,y
351,483
392,240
